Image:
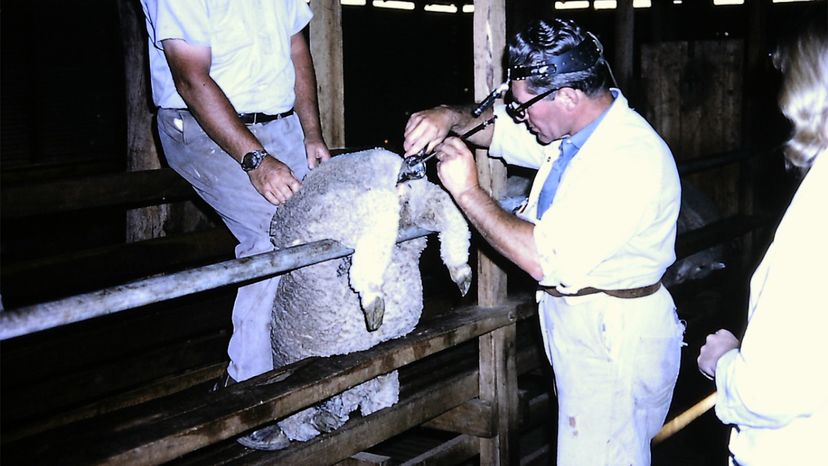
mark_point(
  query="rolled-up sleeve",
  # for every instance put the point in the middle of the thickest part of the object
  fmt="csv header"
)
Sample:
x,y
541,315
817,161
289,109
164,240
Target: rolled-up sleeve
x,y
178,19
301,16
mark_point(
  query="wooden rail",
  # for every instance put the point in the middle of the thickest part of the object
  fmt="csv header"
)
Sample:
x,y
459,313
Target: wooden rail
x,y
161,431
128,189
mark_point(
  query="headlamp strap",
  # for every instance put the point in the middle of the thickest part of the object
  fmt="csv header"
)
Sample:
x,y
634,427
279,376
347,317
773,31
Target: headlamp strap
x,y
579,58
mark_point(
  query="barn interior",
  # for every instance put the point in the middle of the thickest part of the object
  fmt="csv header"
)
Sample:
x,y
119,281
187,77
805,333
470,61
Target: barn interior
x,y
117,282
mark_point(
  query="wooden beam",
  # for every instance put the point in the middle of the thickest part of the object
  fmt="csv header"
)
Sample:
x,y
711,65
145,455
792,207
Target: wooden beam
x,y
122,189
473,417
86,386
326,49
498,385
717,233
455,451
157,389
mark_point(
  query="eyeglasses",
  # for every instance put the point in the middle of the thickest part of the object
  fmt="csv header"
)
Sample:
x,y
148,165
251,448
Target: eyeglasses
x,y
517,110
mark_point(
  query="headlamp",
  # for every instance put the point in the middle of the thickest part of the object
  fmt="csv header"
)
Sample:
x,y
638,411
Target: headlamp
x,y
581,57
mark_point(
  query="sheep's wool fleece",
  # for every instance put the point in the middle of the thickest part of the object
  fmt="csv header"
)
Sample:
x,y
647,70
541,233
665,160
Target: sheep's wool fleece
x,y
354,199
321,310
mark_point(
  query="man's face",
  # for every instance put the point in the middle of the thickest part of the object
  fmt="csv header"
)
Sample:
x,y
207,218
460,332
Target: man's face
x,y
543,118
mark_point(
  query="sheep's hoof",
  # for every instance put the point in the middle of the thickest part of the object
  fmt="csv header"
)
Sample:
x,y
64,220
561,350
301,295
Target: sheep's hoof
x,y
268,438
374,311
324,421
462,276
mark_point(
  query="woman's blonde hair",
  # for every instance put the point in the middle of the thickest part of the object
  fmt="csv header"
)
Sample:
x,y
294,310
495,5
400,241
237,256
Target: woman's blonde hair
x,y
804,97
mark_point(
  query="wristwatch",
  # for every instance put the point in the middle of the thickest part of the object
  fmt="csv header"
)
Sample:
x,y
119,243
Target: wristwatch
x,y
252,160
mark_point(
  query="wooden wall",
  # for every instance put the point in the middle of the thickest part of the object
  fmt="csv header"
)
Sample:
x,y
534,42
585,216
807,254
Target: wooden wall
x,y
693,96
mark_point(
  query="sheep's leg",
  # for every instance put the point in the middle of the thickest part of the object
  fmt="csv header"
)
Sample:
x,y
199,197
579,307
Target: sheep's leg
x,y
434,210
370,396
379,214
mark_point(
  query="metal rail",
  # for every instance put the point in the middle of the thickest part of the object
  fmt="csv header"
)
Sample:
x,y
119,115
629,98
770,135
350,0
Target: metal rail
x,y
38,317
35,318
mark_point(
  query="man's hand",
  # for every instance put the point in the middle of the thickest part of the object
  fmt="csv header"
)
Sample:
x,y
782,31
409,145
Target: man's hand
x,y
456,167
274,180
715,346
317,152
427,129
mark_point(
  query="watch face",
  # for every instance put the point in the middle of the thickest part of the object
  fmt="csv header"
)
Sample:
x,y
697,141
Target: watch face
x,y
252,160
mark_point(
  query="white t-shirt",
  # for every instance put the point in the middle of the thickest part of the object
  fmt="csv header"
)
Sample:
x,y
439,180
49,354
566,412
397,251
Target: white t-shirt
x,y
613,222
249,41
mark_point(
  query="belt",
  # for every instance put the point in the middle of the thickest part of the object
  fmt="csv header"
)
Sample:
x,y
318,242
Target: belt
x,y
256,118
624,294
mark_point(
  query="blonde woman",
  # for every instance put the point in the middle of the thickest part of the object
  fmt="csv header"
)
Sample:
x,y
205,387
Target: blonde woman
x,y
774,386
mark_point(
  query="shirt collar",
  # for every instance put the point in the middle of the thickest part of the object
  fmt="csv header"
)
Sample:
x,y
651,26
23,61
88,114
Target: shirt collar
x,y
579,139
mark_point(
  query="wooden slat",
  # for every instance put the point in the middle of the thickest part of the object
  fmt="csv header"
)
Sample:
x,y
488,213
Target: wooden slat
x,y
473,417
365,459
132,189
38,358
157,389
159,432
87,385
40,172
365,432
455,451
716,233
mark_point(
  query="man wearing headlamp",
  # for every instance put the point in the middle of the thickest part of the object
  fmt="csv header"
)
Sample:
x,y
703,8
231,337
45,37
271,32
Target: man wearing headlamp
x,y
597,233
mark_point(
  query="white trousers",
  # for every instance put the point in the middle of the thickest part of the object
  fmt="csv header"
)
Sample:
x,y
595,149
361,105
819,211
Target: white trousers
x,y
221,182
615,362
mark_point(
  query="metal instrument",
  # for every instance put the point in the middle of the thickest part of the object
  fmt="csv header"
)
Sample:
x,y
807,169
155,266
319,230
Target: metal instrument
x,y
414,167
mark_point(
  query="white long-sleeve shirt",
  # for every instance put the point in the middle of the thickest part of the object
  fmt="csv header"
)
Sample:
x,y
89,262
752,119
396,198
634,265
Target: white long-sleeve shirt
x,y
613,222
775,388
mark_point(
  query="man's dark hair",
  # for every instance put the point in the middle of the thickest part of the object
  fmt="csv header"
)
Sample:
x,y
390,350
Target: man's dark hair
x,y
542,40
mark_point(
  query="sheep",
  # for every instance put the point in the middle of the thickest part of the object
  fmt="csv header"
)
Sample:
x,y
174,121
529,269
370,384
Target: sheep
x,y
354,303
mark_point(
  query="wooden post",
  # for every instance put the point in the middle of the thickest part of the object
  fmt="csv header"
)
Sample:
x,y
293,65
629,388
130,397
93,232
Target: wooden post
x,y
755,50
624,43
498,374
326,49
489,43
148,222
